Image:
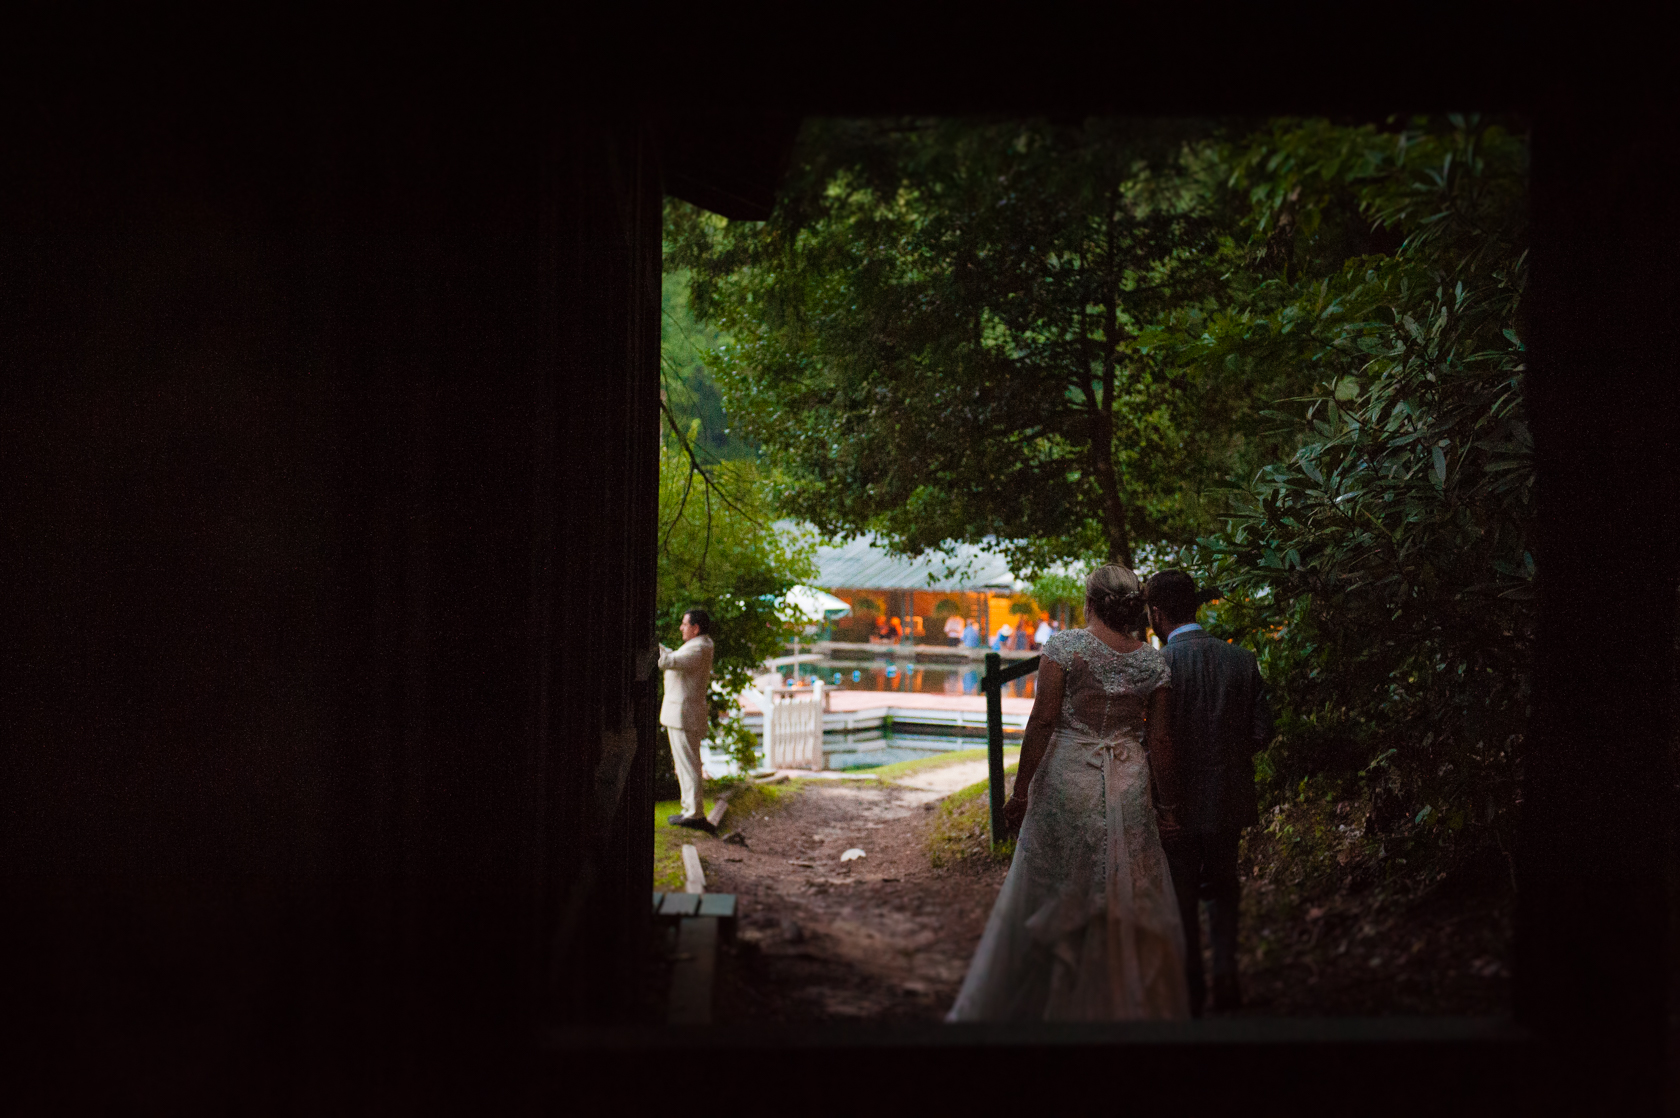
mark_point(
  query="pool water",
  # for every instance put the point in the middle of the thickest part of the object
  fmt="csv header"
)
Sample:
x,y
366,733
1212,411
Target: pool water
x,y
870,749
887,675
885,745
888,748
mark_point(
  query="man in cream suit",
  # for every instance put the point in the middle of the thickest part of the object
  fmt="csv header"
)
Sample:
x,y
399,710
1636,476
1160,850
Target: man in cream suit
x,y
688,674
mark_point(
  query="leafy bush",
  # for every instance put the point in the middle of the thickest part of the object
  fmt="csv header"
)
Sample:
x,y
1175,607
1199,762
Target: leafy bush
x,y
1382,572
719,553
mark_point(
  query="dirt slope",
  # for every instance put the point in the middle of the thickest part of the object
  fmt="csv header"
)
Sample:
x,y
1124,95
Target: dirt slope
x,y
885,936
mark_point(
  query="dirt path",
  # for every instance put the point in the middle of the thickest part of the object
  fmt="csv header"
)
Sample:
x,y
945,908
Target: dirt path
x,y
887,936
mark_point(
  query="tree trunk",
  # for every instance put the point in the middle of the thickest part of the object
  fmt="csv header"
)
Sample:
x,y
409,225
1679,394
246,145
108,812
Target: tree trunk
x,y
1102,442
1114,515
1108,484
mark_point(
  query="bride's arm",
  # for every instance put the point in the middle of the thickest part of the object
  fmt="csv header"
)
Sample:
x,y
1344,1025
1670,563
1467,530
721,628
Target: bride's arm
x,y
1047,707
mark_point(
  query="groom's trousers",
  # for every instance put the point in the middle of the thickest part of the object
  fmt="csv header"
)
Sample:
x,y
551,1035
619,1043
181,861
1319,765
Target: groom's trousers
x,y
1206,865
685,757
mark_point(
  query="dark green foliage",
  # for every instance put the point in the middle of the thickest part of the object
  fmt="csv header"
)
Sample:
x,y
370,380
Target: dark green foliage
x,y
718,549
936,336
1059,594
719,552
1073,337
691,392
1381,573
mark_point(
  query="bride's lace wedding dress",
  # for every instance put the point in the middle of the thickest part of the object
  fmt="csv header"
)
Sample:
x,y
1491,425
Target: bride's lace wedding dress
x,y
1086,927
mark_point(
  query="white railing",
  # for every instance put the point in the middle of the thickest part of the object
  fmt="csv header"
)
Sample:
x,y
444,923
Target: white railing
x,y
793,727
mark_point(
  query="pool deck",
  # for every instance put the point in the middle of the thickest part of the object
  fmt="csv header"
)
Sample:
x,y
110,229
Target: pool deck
x,y
929,653
849,711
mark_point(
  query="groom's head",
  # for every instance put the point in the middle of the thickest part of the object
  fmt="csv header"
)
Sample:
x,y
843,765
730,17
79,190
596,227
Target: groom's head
x,y
1172,600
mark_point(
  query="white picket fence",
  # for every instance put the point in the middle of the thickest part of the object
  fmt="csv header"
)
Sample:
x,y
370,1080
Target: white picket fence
x,y
793,728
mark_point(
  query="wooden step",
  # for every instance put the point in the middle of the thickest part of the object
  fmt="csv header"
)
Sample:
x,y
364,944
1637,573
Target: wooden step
x,y
679,904
694,971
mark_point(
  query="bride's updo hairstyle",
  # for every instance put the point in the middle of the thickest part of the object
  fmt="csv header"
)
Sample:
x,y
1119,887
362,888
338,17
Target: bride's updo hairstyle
x,y
1116,595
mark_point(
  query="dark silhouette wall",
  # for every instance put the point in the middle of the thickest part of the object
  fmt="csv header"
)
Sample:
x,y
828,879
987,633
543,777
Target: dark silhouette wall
x,y
328,436
327,449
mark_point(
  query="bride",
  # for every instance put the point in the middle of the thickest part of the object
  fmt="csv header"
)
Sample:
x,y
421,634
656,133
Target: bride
x,y
1086,927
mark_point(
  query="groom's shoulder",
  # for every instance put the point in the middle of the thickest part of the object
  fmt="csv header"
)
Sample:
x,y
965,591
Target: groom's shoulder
x,y
1230,652
1202,644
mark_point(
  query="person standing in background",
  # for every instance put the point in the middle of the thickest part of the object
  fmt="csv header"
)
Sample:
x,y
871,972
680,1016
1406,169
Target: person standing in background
x,y
953,630
1220,720
688,675
1042,637
1000,639
971,635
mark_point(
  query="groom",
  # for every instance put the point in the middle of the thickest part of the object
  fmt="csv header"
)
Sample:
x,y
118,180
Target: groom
x,y
1220,720
688,673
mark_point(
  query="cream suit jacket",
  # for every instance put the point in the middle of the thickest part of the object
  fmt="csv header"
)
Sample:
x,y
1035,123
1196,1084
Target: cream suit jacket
x,y
688,673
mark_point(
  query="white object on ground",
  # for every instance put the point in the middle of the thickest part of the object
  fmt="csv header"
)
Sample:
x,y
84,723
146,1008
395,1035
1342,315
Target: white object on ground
x,y
854,852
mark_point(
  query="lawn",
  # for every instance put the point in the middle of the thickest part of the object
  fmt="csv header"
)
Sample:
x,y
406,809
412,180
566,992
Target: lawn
x,y
956,757
747,800
962,826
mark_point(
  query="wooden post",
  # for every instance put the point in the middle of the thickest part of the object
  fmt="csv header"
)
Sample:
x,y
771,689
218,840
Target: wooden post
x,y
993,685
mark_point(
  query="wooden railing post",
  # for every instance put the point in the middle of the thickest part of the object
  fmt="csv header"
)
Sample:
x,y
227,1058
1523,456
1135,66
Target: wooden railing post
x,y
993,684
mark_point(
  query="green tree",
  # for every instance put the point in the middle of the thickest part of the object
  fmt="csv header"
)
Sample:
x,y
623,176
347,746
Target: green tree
x,y
686,347
718,551
936,336
1060,594
1382,570
1067,338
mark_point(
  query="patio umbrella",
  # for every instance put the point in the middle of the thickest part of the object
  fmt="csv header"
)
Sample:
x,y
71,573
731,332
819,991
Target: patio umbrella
x,y
817,605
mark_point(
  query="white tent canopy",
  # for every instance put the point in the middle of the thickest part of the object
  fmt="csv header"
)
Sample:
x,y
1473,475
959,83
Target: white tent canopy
x,y
816,605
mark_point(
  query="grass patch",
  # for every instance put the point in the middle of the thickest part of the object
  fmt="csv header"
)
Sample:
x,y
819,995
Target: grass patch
x,y
962,826
748,800
939,761
756,801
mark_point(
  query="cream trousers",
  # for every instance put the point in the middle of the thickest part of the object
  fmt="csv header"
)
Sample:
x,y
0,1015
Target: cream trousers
x,y
685,754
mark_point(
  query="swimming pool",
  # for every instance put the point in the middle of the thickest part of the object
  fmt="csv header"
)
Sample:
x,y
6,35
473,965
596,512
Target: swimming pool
x,y
870,749
890,675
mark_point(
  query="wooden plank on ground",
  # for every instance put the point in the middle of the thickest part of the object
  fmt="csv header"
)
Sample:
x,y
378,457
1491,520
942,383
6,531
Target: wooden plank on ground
x,y
696,873
693,972
715,816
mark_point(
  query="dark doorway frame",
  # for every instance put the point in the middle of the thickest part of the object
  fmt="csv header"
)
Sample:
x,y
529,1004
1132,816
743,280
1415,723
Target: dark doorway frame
x,y
329,423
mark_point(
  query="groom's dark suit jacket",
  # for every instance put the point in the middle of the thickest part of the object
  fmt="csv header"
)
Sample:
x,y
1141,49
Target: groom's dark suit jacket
x,y
1220,719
